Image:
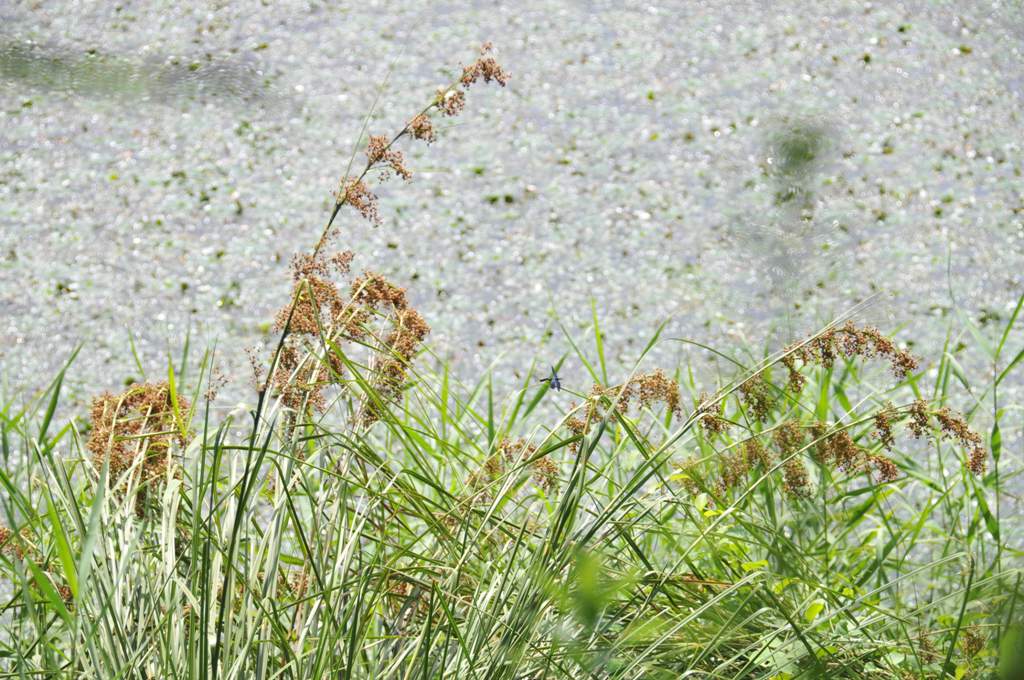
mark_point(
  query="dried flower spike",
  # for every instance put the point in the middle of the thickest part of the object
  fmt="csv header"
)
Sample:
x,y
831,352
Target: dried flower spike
x,y
886,469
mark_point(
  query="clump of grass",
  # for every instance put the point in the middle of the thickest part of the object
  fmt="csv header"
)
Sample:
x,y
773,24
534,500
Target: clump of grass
x,y
374,518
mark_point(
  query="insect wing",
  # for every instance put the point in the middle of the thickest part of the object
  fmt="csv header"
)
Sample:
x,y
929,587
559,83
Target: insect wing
x,y
556,383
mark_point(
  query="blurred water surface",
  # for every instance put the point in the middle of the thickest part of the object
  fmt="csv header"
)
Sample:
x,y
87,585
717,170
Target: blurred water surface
x,y
748,169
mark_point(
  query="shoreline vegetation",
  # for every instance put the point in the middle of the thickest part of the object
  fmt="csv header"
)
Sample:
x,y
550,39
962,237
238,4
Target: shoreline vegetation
x,y
821,513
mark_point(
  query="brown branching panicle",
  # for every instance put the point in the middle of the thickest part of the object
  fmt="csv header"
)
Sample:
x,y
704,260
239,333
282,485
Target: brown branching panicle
x,y
311,296
379,151
450,101
919,418
972,641
795,479
319,312
355,193
757,394
788,437
734,469
709,415
137,427
757,454
836,448
644,389
510,454
16,544
421,128
484,67
578,428
848,341
886,470
883,426
656,387
952,427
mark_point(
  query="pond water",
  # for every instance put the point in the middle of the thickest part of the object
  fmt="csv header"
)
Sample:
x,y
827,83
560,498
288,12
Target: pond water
x,y
746,169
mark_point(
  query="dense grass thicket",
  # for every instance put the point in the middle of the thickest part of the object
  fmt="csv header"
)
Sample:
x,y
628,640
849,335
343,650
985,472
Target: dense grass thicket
x,y
819,512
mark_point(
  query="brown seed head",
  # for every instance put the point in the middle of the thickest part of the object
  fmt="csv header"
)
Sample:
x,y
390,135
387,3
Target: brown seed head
x,y
796,379
578,427
972,641
756,453
849,341
310,297
757,394
138,423
977,461
733,470
885,468
451,102
421,128
919,418
709,416
545,473
379,151
795,479
883,426
788,437
658,387
484,67
355,192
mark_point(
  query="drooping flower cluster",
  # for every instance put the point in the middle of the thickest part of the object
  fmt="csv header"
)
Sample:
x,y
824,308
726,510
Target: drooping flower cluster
x,y
831,448
421,128
755,453
300,380
883,426
138,426
837,448
512,453
656,387
379,151
319,310
484,67
789,439
450,101
16,545
355,193
795,479
758,395
952,426
709,415
407,332
20,546
972,641
303,368
846,341
646,390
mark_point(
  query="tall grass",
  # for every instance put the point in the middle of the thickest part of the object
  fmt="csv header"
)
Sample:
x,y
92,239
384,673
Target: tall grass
x,y
815,515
